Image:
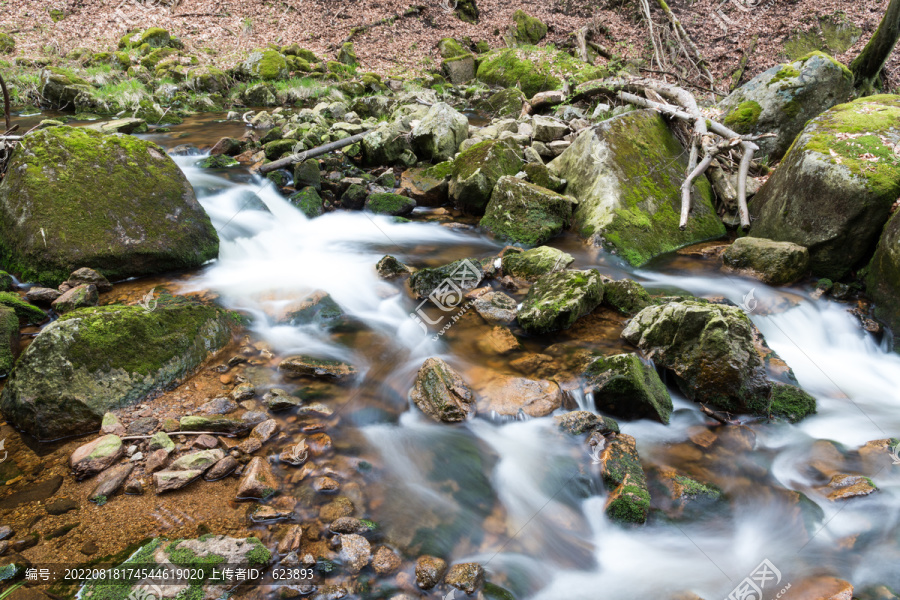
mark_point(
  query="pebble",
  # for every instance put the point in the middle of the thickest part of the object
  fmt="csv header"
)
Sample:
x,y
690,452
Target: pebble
x,y
137,456
356,552
429,571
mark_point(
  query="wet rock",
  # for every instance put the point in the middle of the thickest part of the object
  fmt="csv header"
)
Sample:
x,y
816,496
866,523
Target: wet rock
x,y
318,308
821,588
782,99
278,400
632,207
626,387
197,461
243,391
620,468
265,430
269,513
385,561
843,486
581,421
389,268
466,577
465,274
531,264
307,174
214,424
221,469
257,481
226,145
218,406
309,366
773,263
356,552
157,460
109,482
499,340
142,426
42,296
680,495
791,403
325,485
496,307
441,393
95,456
89,548
111,424
429,571
127,207
92,360
253,417
427,186
478,169
710,350
507,396
85,276
161,441
6,532
29,541
78,297
526,213
205,442
292,539
883,278
167,481
350,525
626,296
337,508
440,132
826,195
389,203
557,300
60,506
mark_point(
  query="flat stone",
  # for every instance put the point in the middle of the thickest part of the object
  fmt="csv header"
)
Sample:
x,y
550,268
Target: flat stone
x,y
223,468
95,456
506,395
167,481
308,366
197,461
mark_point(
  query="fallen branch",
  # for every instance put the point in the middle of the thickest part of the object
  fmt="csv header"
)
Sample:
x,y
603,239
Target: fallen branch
x,y
718,416
409,12
312,153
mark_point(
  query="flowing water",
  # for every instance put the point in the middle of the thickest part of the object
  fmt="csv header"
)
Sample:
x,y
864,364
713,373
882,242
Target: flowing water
x,y
515,494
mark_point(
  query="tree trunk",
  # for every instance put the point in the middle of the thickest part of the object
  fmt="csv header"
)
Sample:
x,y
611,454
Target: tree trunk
x,y
867,66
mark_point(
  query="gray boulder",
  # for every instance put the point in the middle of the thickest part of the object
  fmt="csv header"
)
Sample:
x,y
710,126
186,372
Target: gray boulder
x,y
438,135
774,263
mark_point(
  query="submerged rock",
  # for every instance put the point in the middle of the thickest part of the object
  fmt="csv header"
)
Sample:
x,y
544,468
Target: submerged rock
x,y
109,482
557,300
626,174
625,387
117,204
710,350
496,307
441,393
466,577
258,481
782,99
522,212
478,169
834,190
429,571
94,359
507,396
465,274
356,552
620,468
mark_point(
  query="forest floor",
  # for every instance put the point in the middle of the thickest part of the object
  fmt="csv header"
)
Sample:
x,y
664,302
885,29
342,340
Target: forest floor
x,y
224,30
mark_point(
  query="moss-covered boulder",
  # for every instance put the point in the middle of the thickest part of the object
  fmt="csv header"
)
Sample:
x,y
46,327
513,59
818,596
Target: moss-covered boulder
x,y
558,299
388,203
203,557
791,403
478,169
459,69
347,55
117,204
505,103
441,393
465,273
387,145
307,173
218,161
627,174
268,65
467,10
782,99
709,348
27,313
834,190
525,213
578,422
9,340
153,37
528,29
624,386
309,202
774,263
532,264
60,87
883,277
209,80
620,468
440,132
533,69
626,296
428,186
94,360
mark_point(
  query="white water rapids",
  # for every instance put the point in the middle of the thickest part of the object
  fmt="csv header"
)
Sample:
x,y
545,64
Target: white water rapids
x,y
557,541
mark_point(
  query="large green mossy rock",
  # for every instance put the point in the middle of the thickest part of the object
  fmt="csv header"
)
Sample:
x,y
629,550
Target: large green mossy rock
x,y
532,264
775,263
203,558
782,99
834,190
533,69
623,386
626,174
268,65
883,278
528,29
478,169
525,213
93,360
558,299
61,87
120,205
710,350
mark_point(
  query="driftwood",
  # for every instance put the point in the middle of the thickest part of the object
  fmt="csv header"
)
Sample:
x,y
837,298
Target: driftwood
x,y
718,416
678,103
312,153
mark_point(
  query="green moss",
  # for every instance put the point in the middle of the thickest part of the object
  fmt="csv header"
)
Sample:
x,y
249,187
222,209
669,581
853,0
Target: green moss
x,y
218,161
534,69
388,203
267,65
529,30
791,403
309,202
525,213
695,489
743,118
259,555
631,505
848,74
26,312
626,296
450,48
441,170
7,43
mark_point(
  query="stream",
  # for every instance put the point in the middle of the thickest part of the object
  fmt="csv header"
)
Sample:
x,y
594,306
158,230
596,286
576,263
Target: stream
x,y
513,493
